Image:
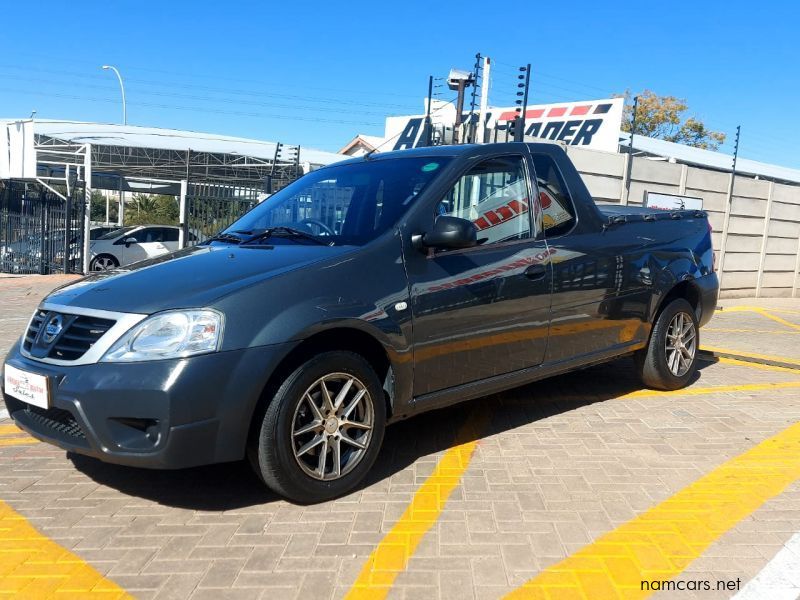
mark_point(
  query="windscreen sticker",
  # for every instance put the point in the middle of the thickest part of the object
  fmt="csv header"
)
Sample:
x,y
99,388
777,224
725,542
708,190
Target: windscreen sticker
x,y
432,166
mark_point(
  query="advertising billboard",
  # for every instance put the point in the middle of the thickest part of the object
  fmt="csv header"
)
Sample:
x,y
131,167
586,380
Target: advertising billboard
x,y
593,124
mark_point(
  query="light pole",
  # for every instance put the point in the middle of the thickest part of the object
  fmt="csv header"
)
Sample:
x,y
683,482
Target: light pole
x,y
122,89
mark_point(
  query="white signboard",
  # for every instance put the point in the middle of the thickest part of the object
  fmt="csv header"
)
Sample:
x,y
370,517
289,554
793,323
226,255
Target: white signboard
x,y
670,202
593,124
28,387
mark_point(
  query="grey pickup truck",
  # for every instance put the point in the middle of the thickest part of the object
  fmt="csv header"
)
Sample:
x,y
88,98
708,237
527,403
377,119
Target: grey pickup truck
x,y
363,293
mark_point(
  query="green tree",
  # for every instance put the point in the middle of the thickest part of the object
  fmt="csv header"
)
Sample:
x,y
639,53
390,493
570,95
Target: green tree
x,y
145,209
98,211
664,118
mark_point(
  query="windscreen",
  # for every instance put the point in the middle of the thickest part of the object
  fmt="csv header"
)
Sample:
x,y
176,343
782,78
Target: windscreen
x,y
345,204
115,234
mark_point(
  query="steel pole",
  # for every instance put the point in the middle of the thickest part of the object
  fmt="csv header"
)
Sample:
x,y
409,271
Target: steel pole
x,y
428,112
122,89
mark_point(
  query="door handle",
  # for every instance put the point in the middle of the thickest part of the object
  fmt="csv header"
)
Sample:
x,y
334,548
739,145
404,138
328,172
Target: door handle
x,y
536,272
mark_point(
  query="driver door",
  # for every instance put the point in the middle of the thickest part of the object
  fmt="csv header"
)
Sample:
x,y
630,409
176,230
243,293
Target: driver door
x,y
482,311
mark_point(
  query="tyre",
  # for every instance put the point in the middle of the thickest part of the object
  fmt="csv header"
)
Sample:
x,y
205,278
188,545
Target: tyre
x,y
670,360
104,262
322,430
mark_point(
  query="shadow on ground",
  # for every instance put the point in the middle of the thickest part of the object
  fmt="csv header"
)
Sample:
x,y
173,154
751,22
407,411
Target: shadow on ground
x,y
233,485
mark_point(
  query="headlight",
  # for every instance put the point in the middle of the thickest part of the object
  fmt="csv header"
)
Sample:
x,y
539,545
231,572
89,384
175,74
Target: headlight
x,y
172,334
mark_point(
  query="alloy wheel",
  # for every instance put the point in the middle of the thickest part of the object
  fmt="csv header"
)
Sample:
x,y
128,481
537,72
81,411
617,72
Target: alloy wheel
x,y
681,344
103,263
332,426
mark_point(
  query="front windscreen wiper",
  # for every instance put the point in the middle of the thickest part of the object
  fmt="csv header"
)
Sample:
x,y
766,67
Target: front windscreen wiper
x,y
227,237
283,231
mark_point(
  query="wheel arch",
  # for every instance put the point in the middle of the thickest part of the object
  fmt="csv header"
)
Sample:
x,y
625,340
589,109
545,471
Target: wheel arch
x,y
685,289
341,338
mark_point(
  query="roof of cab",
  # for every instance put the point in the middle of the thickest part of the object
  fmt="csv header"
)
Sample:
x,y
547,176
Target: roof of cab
x,y
449,150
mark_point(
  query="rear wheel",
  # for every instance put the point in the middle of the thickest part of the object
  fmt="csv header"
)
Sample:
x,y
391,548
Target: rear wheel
x,y
670,360
104,262
322,431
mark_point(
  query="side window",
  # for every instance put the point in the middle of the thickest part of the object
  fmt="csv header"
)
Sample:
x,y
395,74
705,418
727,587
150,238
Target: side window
x,y
144,236
494,196
170,235
558,211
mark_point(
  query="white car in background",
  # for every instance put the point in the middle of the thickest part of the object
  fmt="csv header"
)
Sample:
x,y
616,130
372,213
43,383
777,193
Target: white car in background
x,y
128,245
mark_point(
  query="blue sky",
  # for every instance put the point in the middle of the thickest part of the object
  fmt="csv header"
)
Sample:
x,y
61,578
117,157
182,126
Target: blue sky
x,y
316,73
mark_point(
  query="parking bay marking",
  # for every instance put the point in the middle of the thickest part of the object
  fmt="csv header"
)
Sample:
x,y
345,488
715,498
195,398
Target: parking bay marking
x,y
392,554
754,365
716,389
34,566
11,435
662,541
763,313
729,353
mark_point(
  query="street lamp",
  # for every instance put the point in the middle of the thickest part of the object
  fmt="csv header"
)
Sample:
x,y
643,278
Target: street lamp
x,y
122,89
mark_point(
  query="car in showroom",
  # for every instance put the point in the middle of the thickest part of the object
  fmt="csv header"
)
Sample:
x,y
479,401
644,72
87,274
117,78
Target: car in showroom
x,y
126,245
363,293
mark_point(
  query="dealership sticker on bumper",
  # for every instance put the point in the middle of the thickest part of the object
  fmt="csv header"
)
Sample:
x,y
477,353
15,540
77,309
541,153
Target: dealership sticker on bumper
x,y
28,387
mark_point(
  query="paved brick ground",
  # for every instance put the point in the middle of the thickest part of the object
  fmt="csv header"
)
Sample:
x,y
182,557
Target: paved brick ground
x,y
737,327
558,464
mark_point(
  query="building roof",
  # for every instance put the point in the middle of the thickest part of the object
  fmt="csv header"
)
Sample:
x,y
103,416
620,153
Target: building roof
x,y
709,158
167,139
367,142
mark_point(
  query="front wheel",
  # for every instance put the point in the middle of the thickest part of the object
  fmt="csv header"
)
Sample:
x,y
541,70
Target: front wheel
x,y
104,262
670,360
322,431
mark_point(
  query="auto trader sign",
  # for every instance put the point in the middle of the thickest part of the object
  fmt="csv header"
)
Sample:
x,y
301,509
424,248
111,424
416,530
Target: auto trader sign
x,y
591,124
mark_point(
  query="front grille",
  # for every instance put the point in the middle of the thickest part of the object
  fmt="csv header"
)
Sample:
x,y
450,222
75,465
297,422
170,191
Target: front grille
x,y
33,329
56,419
78,335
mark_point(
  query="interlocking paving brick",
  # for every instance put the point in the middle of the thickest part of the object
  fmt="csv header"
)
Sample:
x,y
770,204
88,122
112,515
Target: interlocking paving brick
x,y
559,464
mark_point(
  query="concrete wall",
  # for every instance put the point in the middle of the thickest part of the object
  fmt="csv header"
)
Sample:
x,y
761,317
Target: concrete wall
x,y
756,234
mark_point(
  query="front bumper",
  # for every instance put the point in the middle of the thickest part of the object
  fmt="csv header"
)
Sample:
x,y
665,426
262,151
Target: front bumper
x,y
165,414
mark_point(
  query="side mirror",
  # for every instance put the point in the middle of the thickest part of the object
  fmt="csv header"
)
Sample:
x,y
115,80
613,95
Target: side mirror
x,y
129,241
449,233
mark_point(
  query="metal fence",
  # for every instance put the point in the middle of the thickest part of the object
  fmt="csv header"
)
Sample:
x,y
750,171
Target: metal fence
x,y
210,208
40,232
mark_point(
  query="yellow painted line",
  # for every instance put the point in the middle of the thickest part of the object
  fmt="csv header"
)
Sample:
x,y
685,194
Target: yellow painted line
x,y
754,365
769,331
18,441
764,313
772,357
745,308
34,566
392,554
662,541
715,389
6,429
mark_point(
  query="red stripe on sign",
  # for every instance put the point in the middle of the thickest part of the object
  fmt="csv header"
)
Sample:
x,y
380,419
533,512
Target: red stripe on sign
x,y
581,110
505,213
516,206
534,114
557,112
492,218
507,116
